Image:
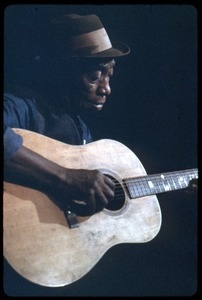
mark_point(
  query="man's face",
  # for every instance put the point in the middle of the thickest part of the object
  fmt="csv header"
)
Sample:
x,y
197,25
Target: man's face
x,y
94,85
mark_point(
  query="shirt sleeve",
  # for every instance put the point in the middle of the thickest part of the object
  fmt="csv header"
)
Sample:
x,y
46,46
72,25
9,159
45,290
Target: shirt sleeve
x,y
12,142
16,112
16,115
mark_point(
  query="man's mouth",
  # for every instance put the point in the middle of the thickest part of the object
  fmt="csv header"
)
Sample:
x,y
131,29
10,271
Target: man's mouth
x,y
96,105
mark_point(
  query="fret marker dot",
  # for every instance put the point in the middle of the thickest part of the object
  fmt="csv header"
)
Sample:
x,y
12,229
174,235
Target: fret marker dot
x,y
150,184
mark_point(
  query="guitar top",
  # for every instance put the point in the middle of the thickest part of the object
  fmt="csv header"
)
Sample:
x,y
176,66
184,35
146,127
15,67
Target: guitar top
x,y
37,240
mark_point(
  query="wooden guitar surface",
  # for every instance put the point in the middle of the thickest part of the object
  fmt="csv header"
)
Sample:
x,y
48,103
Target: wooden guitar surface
x,y
37,241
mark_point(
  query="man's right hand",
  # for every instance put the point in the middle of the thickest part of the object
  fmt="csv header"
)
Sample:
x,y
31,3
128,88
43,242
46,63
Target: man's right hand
x,y
85,191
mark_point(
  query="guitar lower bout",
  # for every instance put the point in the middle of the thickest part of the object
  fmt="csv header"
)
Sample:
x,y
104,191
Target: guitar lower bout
x,y
38,243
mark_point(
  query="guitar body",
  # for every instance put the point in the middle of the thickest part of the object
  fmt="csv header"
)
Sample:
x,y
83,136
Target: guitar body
x,y
37,241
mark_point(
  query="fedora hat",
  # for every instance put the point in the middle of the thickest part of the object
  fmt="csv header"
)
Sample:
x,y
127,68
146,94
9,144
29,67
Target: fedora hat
x,y
73,35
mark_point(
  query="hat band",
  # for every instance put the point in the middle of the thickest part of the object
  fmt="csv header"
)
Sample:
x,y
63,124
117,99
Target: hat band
x,y
97,40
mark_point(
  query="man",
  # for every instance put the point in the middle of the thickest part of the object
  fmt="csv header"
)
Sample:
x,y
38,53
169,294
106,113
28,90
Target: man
x,y
72,80
159,281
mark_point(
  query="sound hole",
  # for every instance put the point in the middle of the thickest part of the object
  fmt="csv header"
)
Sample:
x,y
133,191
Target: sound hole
x,y
119,198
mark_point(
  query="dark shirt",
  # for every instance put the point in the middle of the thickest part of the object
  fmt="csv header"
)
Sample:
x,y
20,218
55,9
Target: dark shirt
x,y
30,112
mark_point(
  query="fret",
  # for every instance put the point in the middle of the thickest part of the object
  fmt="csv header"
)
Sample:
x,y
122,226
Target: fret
x,y
159,183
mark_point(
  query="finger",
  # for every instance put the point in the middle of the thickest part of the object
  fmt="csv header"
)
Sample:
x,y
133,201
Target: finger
x,y
109,191
83,209
109,182
101,202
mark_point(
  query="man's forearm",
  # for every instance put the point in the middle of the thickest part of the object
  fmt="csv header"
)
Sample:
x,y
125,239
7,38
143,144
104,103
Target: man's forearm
x,y
62,184
30,169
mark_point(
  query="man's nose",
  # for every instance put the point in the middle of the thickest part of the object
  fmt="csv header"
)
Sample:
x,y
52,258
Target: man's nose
x,y
104,86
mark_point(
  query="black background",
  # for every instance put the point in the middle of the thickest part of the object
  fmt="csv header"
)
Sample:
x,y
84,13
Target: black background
x,y
152,110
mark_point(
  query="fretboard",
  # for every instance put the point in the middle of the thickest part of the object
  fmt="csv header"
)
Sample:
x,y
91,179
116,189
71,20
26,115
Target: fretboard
x,y
159,183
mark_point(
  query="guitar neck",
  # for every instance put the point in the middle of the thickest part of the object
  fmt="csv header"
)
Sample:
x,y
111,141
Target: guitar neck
x,y
159,183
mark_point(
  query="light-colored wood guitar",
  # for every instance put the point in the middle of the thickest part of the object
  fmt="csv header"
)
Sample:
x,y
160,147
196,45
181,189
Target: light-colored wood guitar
x,y
37,239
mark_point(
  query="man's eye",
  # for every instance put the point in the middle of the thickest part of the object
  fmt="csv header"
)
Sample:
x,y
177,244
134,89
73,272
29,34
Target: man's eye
x,y
94,76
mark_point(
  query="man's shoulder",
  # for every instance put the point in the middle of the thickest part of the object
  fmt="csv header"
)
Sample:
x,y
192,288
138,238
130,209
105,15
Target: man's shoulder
x,y
18,91
19,95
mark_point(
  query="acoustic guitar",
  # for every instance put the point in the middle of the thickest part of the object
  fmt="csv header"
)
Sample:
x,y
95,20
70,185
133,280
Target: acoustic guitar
x,y
50,248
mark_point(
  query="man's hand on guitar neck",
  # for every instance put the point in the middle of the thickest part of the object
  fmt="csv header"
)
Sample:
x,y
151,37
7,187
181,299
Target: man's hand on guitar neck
x,y
84,192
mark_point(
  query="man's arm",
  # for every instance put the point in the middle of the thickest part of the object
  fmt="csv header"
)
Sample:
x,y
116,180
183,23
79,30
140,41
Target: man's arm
x,y
91,187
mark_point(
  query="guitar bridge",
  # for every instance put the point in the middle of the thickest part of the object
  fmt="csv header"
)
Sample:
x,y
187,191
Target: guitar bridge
x,y
71,219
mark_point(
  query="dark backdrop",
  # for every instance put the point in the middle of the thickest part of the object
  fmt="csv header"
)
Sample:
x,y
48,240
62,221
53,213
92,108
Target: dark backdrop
x,y
153,110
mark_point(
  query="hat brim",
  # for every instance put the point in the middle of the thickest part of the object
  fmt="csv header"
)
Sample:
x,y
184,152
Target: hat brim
x,y
118,49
